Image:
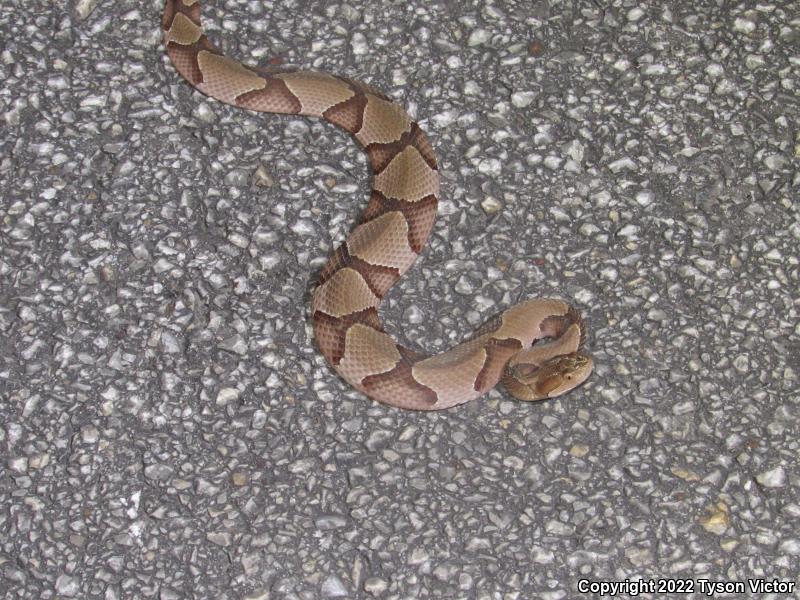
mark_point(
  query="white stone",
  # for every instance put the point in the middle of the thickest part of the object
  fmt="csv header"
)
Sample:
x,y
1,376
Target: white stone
x,y
773,478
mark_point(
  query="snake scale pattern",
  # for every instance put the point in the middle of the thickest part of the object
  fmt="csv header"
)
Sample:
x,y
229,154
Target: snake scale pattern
x,y
533,347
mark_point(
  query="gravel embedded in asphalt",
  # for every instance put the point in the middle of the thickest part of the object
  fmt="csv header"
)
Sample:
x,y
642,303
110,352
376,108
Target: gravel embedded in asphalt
x,y
168,428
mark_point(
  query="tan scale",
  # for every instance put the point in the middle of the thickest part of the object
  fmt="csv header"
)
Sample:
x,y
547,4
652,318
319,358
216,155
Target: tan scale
x,y
395,228
384,122
317,91
343,294
226,79
183,31
408,177
517,319
367,352
452,378
383,241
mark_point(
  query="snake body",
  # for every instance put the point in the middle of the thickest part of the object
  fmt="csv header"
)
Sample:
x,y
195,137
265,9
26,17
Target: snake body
x,y
390,235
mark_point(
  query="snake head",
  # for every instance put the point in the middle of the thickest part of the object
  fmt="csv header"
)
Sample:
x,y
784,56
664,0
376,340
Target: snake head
x,y
553,377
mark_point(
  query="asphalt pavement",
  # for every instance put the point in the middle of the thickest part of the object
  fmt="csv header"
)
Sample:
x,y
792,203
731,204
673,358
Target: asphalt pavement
x,y
168,428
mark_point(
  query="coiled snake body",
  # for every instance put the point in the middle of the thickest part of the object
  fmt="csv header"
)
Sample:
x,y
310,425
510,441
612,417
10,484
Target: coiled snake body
x,y
391,233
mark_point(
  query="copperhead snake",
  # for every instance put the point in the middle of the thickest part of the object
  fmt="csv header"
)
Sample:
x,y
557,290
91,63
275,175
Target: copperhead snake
x,y
533,347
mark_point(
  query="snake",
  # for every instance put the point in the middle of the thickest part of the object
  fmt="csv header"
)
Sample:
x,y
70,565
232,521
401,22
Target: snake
x,y
534,347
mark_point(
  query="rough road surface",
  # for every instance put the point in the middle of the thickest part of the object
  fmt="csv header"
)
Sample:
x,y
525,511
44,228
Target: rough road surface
x,y
167,427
